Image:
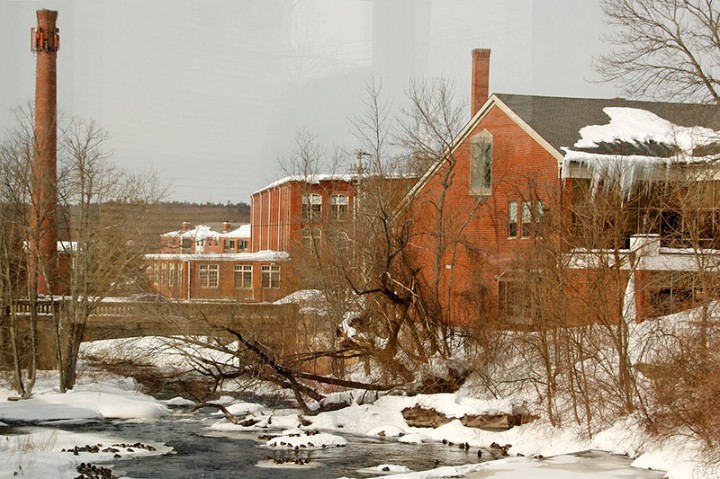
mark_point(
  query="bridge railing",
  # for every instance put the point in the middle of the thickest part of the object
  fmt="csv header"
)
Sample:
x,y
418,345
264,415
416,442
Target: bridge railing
x,y
120,309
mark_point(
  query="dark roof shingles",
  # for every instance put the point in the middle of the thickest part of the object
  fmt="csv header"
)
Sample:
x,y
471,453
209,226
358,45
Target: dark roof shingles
x,y
559,120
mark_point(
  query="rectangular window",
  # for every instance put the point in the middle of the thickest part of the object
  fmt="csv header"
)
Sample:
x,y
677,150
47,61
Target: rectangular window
x,y
180,274
242,245
339,207
539,212
481,164
526,218
208,276
512,219
340,239
186,245
513,300
163,274
311,207
156,273
270,276
310,236
171,276
243,276
229,246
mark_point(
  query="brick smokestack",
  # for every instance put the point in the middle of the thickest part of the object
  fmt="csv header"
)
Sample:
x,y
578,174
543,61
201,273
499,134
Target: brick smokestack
x,y
480,79
45,41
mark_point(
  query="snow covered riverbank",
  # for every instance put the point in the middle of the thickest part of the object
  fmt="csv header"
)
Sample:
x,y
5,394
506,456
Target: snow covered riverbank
x,y
538,449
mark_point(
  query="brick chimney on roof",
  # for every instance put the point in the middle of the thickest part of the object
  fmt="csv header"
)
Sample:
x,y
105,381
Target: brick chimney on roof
x,y
45,42
226,226
480,79
185,226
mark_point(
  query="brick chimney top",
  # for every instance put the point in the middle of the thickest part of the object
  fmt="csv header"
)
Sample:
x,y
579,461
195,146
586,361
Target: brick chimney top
x,y
480,79
185,226
226,226
45,37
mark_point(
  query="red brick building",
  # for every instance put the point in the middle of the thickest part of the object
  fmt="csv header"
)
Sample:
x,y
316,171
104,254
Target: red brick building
x,y
214,276
294,210
521,159
203,239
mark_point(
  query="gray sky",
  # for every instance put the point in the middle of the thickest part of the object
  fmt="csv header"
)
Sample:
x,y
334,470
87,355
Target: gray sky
x,y
210,93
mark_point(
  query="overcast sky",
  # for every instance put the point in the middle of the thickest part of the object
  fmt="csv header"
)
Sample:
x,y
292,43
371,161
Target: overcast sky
x,y
210,93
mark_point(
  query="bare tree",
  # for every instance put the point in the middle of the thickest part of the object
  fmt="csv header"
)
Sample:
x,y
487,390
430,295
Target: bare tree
x,y
666,48
18,332
101,231
99,257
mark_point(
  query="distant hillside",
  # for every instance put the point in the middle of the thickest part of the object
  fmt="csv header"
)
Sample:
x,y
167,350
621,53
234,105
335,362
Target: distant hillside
x,y
150,221
169,216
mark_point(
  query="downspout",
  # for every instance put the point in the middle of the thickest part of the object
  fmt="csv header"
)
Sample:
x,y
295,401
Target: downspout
x,y
279,212
188,279
269,216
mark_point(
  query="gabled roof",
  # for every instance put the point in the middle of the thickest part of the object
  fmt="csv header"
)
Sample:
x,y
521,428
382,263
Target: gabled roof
x,y
558,120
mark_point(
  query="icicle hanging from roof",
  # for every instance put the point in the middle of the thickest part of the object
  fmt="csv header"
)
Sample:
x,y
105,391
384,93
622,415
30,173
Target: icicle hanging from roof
x,y
635,145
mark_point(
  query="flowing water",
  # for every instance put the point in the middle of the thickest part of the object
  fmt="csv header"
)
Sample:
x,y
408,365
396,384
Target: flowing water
x,y
200,452
204,453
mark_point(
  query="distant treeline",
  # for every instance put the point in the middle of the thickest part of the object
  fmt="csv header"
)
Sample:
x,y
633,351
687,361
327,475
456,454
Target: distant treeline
x,y
151,220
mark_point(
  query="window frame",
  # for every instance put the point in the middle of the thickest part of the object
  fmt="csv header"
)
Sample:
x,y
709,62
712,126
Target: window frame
x,y
512,219
339,207
270,276
481,163
209,275
310,235
245,274
311,207
526,220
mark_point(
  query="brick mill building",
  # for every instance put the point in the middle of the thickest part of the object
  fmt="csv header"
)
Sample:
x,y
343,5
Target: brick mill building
x,y
294,210
517,181
252,262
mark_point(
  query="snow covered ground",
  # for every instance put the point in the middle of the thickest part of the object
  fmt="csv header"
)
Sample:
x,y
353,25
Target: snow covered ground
x,y
537,449
41,451
38,451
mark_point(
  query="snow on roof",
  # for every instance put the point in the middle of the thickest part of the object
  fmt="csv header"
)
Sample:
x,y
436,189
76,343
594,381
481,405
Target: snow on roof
x,y
635,143
243,231
310,179
302,295
266,255
199,232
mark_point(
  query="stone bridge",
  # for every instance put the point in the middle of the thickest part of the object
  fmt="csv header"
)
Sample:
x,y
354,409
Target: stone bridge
x,y
125,319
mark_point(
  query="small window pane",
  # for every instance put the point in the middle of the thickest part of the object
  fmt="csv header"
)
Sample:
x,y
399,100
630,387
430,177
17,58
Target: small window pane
x,y
526,217
512,219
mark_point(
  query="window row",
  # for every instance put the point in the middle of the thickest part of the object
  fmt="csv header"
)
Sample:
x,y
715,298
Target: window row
x,y
171,274
229,245
312,207
166,274
527,217
311,237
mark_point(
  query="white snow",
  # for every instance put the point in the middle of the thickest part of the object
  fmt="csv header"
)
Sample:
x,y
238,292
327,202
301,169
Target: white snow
x,y
199,232
37,451
266,255
311,179
378,417
635,126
